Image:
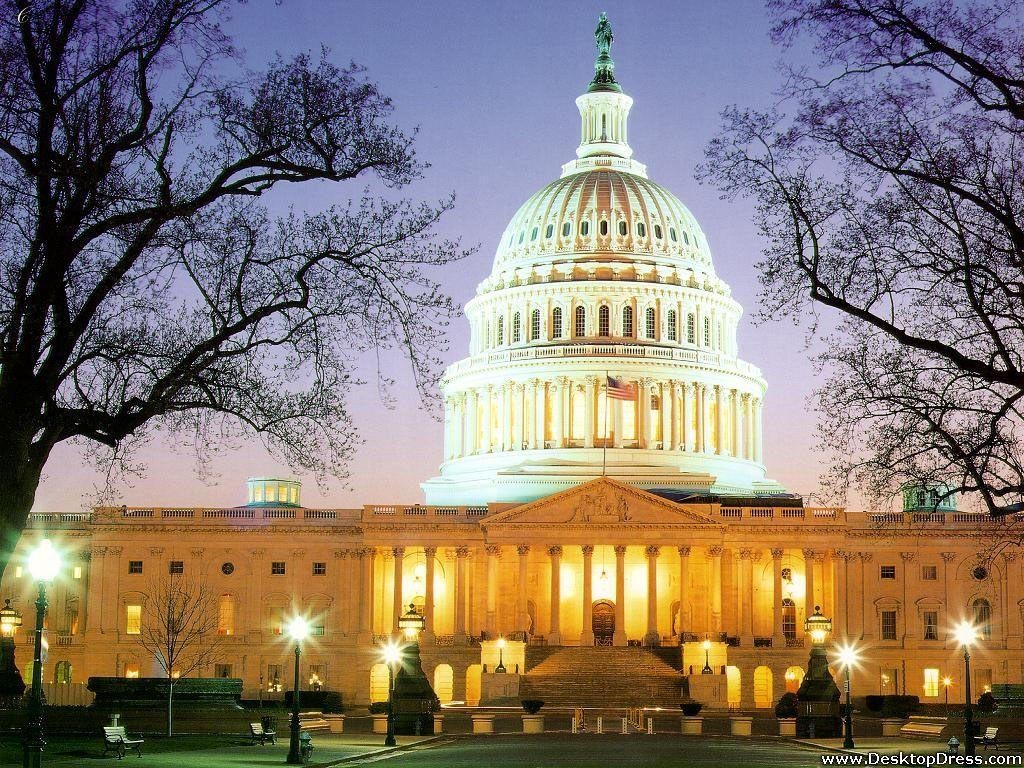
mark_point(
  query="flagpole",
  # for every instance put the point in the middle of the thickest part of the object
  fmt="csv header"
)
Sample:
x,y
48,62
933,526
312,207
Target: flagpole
x,y
604,443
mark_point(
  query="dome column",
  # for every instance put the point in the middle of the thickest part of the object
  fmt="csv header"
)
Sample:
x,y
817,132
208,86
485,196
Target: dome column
x,y
518,412
719,421
686,416
487,414
460,426
539,413
589,409
471,422
734,400
667,403
504,432
702,421
644,413
674,421
748,442
757,431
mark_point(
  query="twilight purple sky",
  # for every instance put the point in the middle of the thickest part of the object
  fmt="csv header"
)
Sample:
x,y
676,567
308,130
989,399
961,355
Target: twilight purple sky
x,y
491,86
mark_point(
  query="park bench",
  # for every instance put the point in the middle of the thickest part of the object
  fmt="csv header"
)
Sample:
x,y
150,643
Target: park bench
x,y
116,739
990,737
923,726
258,734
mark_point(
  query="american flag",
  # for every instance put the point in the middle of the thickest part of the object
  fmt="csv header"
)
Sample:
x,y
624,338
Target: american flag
x,y
619,389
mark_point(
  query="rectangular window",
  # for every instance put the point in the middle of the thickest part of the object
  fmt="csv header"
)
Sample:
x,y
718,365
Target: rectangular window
x,y
177,566
134,566
888,681
317,676
887,572
929,573
277,568
226,615
222,670
319,569
888,625
316,630
931,682
78,572
931,625
276,620
274,678
133,619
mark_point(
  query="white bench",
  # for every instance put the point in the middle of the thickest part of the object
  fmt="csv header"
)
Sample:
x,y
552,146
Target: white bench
x,y
258,734
989,738
116,739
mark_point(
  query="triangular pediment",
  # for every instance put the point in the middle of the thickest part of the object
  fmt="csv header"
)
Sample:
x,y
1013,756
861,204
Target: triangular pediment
x,y
604,502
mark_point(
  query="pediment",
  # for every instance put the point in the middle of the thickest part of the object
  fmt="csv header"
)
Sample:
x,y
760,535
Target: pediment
x,y
604,502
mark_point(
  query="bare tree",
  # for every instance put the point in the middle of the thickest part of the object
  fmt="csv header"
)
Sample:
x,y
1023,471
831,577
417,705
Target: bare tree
x,y
893,193
141,285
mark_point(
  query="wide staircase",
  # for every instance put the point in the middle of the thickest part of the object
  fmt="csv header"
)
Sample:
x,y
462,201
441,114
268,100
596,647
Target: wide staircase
x,y
602,677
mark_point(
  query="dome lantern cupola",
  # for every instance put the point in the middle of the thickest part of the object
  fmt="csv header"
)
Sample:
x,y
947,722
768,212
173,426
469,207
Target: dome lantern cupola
x,y
604,108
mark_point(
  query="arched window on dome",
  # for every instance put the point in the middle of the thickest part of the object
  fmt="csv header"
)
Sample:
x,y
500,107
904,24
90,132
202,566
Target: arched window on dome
x,y
604,321
603,228
623,229
556,323
584,228
581,322
501,330
535,325
982,610
627,322
641,229
517,328
650,323
707,331
549,231
691,328
566,229
672,325
521,236
672,234
657,231
686,238
533,234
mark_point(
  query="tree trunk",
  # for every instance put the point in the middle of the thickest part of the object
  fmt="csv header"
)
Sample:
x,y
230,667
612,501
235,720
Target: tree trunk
x,y
20,470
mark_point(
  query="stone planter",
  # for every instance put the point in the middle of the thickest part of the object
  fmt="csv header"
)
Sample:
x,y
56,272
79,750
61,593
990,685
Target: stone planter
x,y
438,723
891,726
740,726
787,726
691,725
483,723
533,723
380,723
336,722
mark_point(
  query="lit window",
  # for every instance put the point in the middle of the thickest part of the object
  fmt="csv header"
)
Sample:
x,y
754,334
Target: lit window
x,y
277,568
535,325
176,567
888,625
931,682
135,566
650,323
62,673
603,322
887,572
581,322
929,572
222,670
17,572
316,630
133,619
982,610
226,615
788,618
671,325
319,569
77,573
627,321
556,322
517,328
276,620
930,619
131,670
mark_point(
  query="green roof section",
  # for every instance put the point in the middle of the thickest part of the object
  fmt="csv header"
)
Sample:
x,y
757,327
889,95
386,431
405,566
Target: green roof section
x,y
604,67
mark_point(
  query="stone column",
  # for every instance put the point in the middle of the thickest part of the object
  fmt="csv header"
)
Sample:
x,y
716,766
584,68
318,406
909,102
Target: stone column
x,y
653,637
757,431
684,590
778,638
1012,591
522,610
867,624
666,416
715,555
539,412
842,618
589,410
746,601
398,604
734,401
461,553
809,557
587,635
719,421
486,438
674,423
555,623
428,594
909,583
698,390
686,417
748,440
491,619
948,558
643,413
619,637
366,556
472,431
342,607
518,414
110,616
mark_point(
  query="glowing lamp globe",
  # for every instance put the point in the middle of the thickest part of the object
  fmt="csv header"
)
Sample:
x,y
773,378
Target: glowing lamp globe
x,y
44,561
392,653
818,627
848,656
706,645
966,633
298,629
10,619
411,623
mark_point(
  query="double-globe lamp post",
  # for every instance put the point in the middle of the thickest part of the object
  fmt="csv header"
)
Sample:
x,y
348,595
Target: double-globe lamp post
x,y
966,634
43,565
392,656
298,629
848,657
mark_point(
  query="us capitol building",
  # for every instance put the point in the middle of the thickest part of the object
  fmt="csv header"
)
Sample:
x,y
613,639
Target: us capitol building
x,y
602,506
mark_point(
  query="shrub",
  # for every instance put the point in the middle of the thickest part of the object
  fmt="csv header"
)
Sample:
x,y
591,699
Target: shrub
x,y
786,706
378,708
691,708
892,706
532,706
325,701
987,702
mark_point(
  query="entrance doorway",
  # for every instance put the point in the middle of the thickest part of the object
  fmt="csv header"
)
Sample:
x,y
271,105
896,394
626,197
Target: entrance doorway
x,y
603,622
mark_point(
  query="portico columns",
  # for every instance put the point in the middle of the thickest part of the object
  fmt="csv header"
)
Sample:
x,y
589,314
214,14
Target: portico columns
x,y
809,556
491,621
667,403
522,611
472,432
461,553
778,638
643,413
748,440
555,633
590,408
675,422
518,414
587,635
715,554
746,601
719,421
685,417
699,390
684,590
396,589
428,593
619,637
653,637
366,556
487,439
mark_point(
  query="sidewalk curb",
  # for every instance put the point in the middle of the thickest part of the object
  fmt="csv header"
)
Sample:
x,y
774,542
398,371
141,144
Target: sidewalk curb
x,y
386,750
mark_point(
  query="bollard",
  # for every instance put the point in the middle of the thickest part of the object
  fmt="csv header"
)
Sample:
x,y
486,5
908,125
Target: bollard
x,y
650,725
625,725
600,724
574,726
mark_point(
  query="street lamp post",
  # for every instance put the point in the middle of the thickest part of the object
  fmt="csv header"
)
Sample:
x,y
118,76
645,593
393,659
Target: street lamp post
x,y
500,669
848,657
298,629
43,565
12,687
392,655
707,658
946,682
965,635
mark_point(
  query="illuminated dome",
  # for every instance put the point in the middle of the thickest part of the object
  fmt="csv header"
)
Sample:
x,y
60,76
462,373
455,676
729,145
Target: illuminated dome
x,y
602,342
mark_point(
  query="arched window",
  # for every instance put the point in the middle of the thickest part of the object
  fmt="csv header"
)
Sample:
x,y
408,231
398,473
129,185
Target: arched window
x,y
521,236
691,329
581,322
627,322
533,235
641,229
517,328
535,325
672,234
623,229
226,615
707,331
672,325
657,231
566,229
501,330
62,673
983,618
556,323
686,238
788,618
603,322
650,329
603,228
549,231
584,228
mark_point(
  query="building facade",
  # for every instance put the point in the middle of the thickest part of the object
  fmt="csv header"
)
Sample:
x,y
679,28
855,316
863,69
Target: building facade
x,y
603,485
